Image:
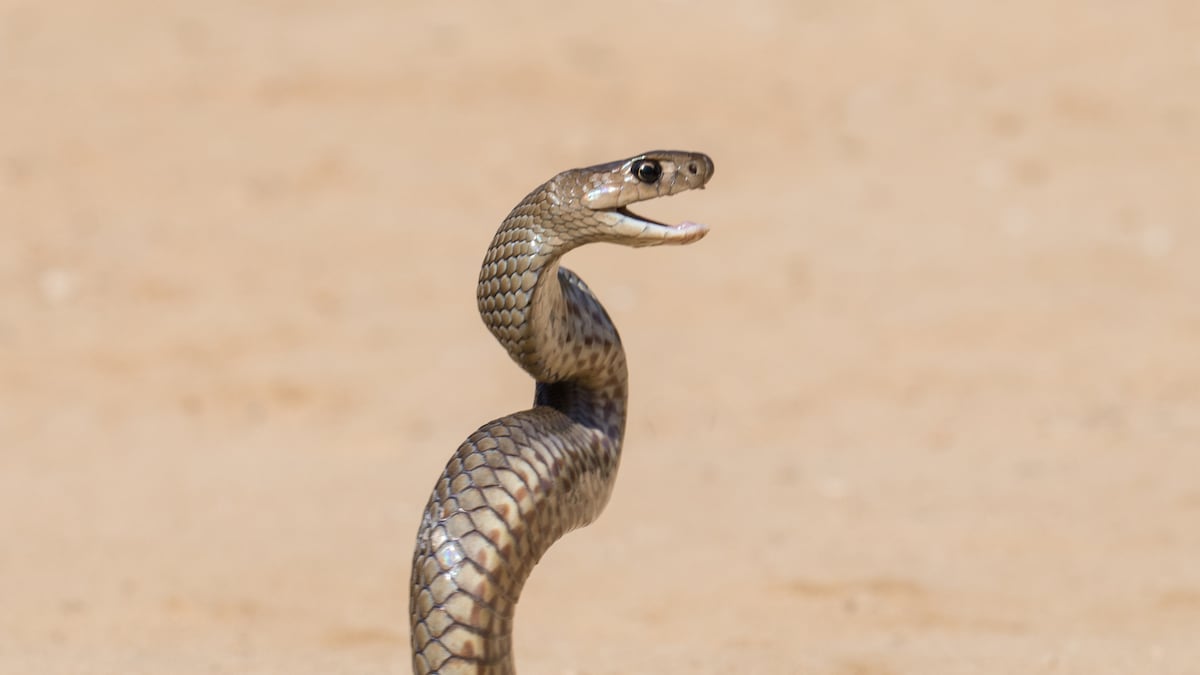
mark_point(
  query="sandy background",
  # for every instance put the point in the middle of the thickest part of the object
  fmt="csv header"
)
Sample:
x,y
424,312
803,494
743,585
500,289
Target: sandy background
x,y
927,400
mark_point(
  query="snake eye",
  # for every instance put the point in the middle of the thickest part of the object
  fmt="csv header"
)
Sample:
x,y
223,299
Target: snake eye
x,y
647,170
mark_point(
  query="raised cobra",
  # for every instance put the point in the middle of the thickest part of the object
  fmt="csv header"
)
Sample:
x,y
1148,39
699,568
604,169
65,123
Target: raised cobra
x,y
520,482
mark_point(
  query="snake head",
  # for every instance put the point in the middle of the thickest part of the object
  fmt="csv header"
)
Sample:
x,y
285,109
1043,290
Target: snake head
x,y
608,189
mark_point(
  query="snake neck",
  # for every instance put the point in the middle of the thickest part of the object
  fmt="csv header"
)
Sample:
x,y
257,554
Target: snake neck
x,y
552,325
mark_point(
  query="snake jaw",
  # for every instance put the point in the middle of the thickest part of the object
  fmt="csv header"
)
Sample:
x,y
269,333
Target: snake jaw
x,y
636,230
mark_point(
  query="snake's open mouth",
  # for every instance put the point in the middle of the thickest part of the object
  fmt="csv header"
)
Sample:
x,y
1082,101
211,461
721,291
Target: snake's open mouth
x,y
630,214
651,231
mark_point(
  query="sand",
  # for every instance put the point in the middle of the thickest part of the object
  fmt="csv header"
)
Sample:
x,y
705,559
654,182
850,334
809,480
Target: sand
x,y
926,400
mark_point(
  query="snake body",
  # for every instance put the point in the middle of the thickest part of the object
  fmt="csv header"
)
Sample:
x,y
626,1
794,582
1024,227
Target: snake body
x,y
522,481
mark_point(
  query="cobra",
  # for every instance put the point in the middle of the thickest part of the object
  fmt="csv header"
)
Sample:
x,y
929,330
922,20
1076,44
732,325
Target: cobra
x,y
522,481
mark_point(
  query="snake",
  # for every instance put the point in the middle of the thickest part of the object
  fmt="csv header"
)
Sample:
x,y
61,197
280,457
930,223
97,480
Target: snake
x,y
520,482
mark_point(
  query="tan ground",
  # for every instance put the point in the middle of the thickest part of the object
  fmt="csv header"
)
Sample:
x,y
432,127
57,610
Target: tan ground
x,y
927,400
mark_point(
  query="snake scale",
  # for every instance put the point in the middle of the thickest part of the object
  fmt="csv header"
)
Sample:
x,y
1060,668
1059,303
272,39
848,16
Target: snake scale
x,y
522,481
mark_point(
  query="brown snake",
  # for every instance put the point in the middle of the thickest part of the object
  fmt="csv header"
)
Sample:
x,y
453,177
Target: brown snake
x,y
520,482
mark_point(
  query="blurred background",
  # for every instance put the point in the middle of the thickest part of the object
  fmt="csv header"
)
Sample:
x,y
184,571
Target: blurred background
x,y
926,400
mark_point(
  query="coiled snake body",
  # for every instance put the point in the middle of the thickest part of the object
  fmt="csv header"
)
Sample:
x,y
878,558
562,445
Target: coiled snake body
x,y
520,482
